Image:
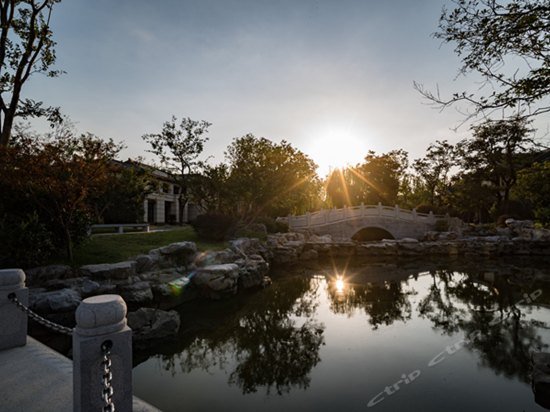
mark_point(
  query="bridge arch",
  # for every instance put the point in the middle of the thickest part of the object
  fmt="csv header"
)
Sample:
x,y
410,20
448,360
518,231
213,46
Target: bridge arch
x,y
371,233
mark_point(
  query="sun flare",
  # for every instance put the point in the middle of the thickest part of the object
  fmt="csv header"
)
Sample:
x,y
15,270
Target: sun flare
x,y
336,149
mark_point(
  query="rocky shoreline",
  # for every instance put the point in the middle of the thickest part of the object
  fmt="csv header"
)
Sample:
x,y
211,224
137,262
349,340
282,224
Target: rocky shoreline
x,y
154,283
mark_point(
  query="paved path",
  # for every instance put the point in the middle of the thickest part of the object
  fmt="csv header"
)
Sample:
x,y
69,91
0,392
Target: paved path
x,y
36,378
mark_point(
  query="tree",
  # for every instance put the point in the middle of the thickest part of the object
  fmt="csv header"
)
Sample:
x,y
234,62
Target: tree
x,y
508,44
122,200
178,147
56,179
492,153
26,47
378,179
270,179
434,168
533,185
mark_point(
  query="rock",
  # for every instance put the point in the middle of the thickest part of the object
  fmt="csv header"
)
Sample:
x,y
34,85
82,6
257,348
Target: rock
x,y
137,293
150,324
89,287
253,272
247,246
64,300
218,257
176,254
310,254
217,281
37,276
408,240
146,263
121,270
179,248
324,239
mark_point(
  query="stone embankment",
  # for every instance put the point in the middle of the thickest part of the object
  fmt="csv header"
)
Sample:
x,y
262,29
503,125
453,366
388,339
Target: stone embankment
x,y
519,238
172,275
151,284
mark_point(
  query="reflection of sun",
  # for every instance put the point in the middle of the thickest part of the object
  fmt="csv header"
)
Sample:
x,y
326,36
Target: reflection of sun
x,y
335,149
340,285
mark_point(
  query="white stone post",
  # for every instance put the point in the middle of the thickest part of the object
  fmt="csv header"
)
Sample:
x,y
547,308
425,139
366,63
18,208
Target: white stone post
x,y
308,219
13,322
415,216
396,211
101,319
379,209
362,209
289,217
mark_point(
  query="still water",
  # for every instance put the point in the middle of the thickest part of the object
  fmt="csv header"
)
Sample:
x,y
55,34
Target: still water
x,y
447,336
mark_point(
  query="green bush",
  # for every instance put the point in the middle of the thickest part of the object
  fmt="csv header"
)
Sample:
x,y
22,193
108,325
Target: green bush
x,y
427,208
272,225
24,241
213,226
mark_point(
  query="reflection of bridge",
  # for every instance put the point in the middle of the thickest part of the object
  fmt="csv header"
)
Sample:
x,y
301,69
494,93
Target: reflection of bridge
x,y
369,222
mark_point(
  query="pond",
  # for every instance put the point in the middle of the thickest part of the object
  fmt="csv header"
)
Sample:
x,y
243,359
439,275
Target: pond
x,y
420,336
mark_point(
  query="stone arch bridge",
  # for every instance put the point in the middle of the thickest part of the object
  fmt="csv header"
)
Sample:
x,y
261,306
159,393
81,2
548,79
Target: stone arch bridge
x,y
372,222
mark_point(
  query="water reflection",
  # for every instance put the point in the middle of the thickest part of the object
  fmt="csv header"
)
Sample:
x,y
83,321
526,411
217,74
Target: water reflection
x,y
493,301
271,342
273,346
384,302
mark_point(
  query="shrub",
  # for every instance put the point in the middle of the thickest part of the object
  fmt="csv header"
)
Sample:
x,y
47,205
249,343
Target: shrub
x,y
427,208
24,241
273,225
213,226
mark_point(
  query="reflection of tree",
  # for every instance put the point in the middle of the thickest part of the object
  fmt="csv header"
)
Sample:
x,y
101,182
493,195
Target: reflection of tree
x,y
384,302
486,310
275,343
438,307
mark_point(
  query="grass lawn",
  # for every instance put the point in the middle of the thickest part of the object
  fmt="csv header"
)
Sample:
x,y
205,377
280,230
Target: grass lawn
x,y
117,248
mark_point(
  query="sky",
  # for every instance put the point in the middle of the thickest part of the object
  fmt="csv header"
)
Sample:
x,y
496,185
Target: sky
x,y
332,77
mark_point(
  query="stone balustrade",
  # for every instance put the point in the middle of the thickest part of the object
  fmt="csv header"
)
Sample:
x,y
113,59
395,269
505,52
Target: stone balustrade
x,y
100,324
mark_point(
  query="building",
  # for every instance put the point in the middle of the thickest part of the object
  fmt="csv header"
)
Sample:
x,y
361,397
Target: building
x,y
162,205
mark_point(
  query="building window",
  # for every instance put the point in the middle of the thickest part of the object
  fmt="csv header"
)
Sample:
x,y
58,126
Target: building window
x,y
176,190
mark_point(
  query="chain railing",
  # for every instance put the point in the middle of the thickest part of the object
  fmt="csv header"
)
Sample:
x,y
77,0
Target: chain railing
x,y
107,374
43,321
108,391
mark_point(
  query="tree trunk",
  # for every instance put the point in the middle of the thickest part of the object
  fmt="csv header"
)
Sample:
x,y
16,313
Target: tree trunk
x,y
69,245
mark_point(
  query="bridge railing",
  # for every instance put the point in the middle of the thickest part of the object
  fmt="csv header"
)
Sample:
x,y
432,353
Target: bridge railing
x,y
330,216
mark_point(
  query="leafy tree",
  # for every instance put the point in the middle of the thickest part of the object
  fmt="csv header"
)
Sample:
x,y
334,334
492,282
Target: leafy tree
x,y
178,147
533,185
122,200
26,47
433,170
377,179
508,44
492,153
270,179
56,178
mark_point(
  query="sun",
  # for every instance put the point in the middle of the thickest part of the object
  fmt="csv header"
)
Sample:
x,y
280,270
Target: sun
x,y
335,148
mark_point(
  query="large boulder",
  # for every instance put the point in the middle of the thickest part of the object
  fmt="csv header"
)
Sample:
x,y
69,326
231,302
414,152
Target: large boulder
x,y
63,300
247,246
215,257
146,263
38,276
175,254
152,324
136,293
217,281
252,272
120,270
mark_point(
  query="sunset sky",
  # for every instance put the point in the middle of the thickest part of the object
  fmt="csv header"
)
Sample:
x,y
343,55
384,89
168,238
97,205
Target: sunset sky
x,y
334,78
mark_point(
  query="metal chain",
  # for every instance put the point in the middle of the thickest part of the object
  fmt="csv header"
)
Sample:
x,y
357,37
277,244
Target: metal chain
x,y
44,322
107,380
